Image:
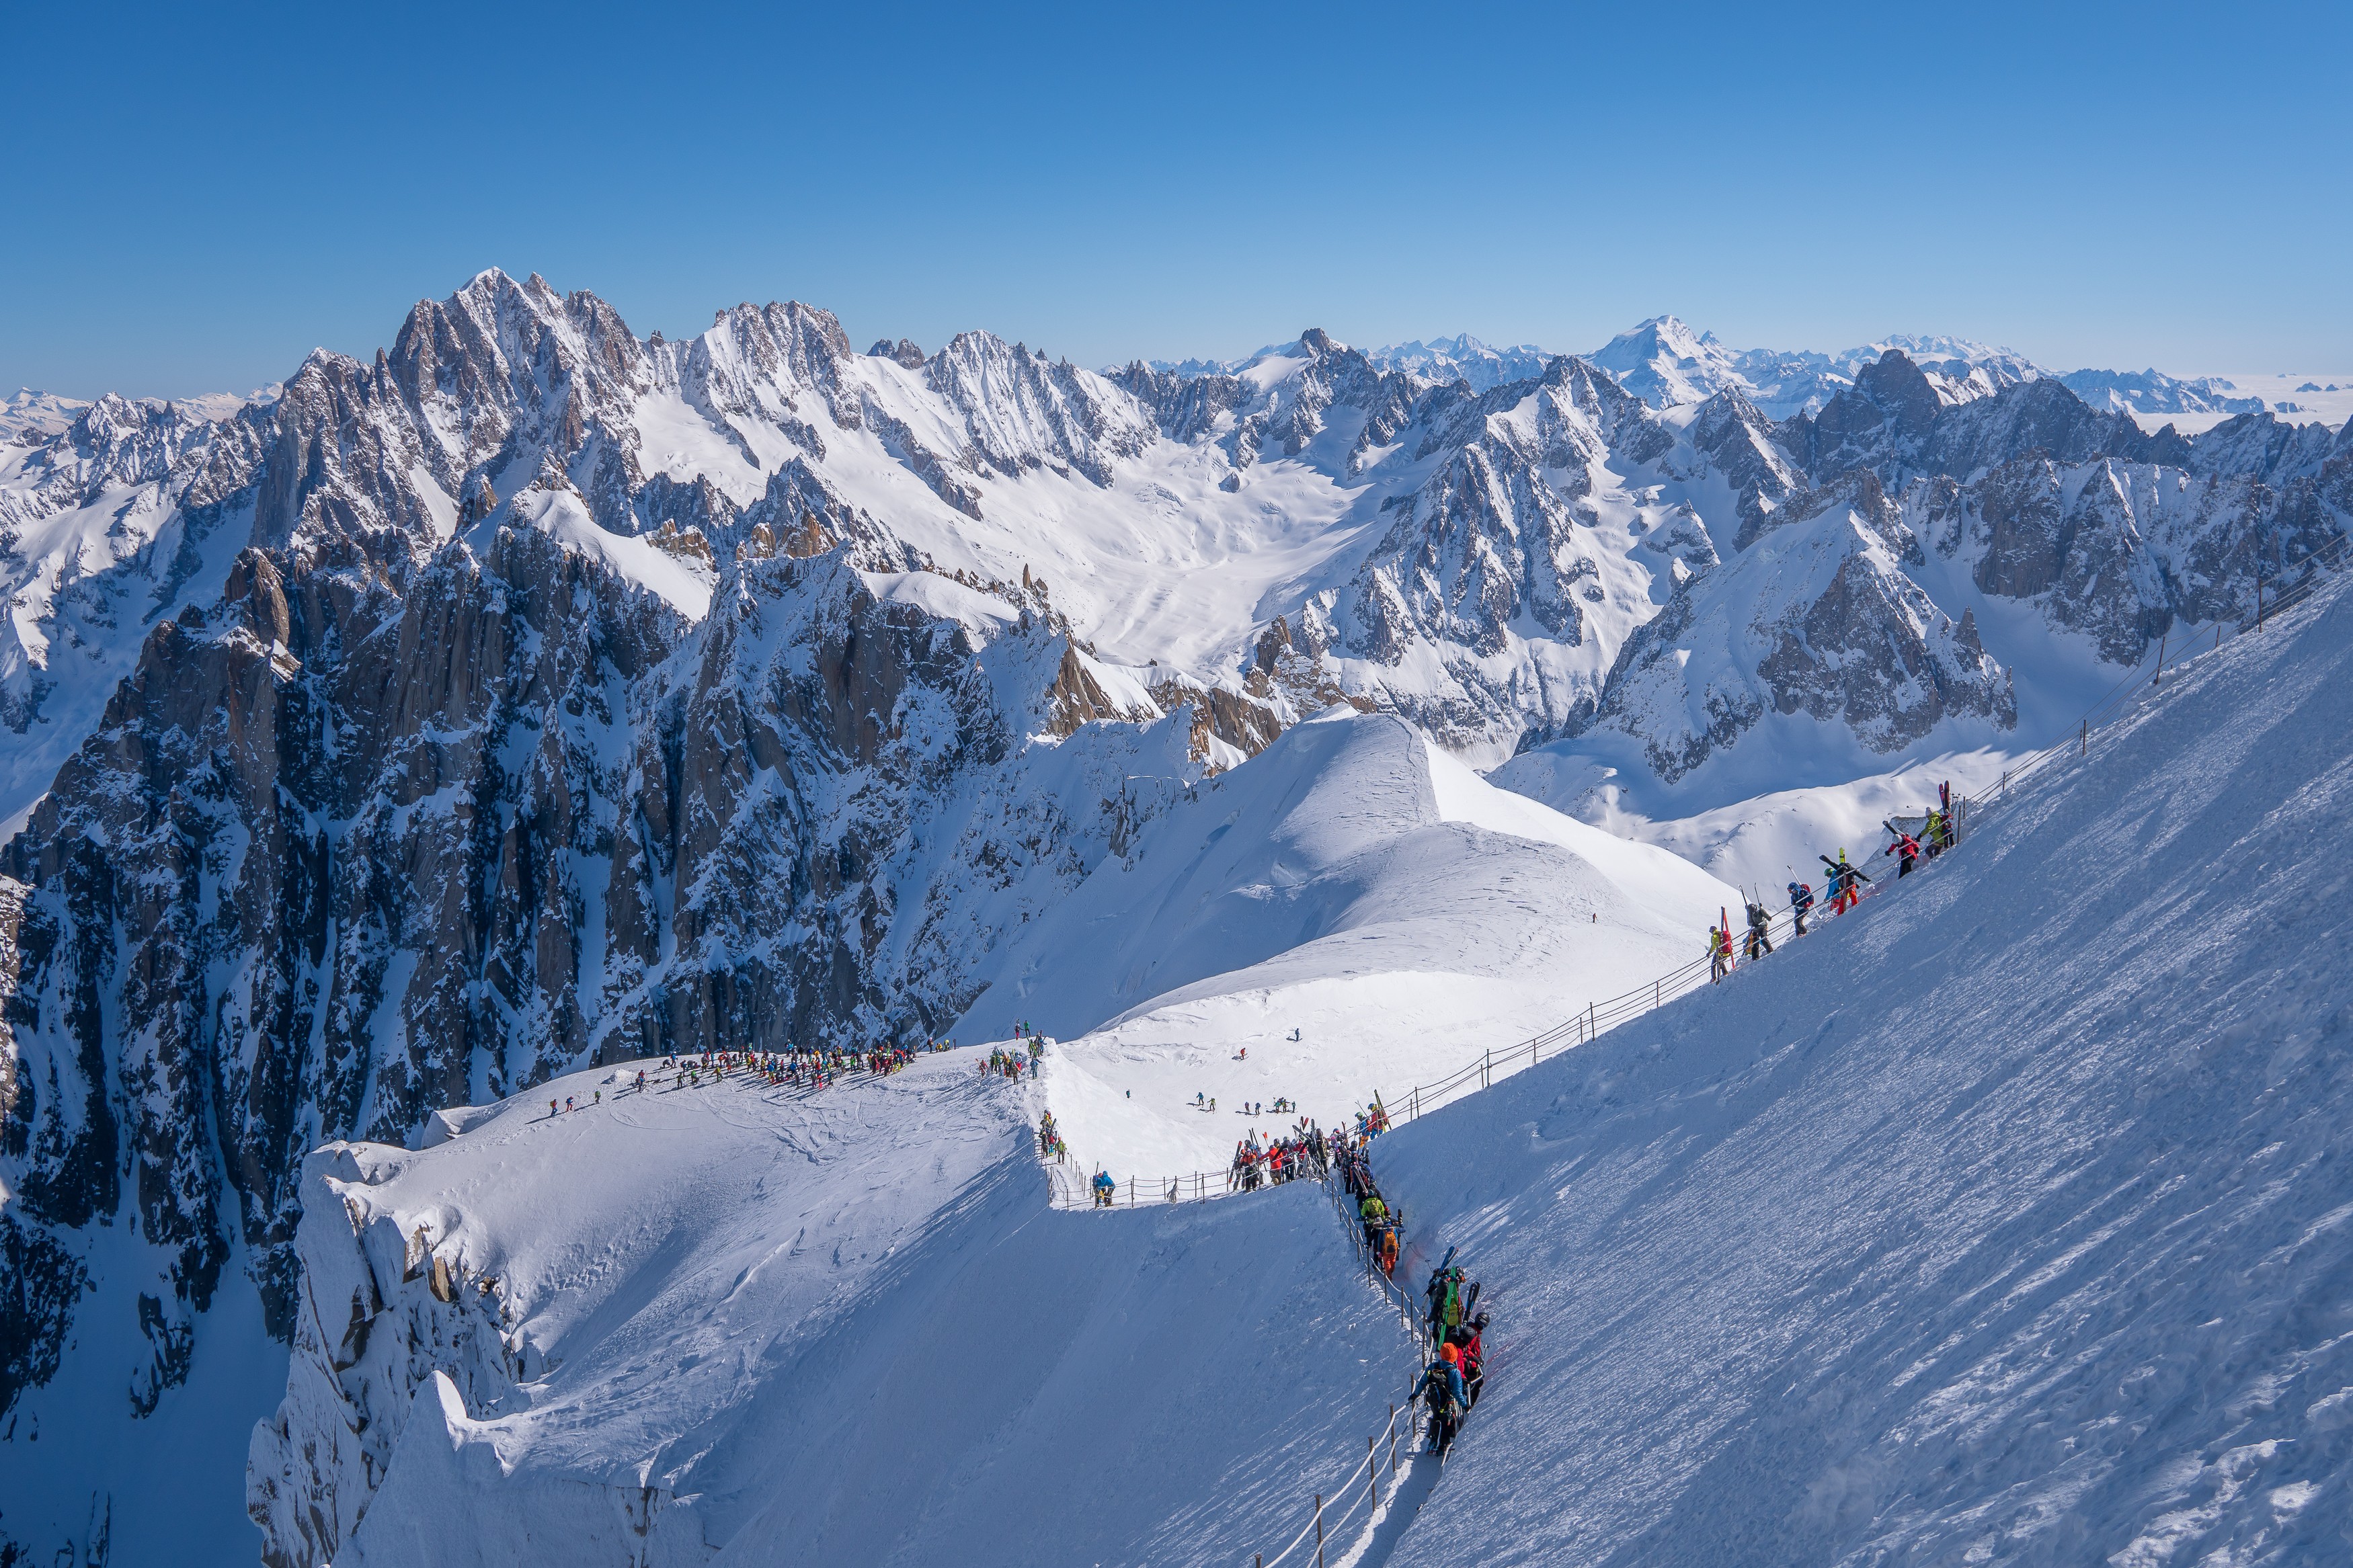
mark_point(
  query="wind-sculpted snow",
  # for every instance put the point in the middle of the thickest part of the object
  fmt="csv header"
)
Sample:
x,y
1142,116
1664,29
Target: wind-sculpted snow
x,y
726,1324
1353,886
2002,1222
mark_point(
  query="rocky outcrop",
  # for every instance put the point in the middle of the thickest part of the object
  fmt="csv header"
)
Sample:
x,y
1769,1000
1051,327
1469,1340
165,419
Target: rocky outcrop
x,y
1893,422
1817,618
345,852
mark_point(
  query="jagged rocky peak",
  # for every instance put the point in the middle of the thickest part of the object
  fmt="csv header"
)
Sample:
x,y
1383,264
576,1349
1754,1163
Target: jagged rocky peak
x,y
903,352
1022,411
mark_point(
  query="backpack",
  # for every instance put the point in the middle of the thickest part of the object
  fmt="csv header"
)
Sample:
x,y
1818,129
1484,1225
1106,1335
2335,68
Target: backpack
x,y
1441,1388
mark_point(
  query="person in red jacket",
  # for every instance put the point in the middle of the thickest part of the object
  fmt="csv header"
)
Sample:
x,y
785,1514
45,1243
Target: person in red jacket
x,y
1467,1337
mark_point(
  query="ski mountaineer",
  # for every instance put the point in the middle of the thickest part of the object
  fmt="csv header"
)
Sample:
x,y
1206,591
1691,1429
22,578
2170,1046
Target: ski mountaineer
x,y
1905,846
1801,899
1104,1187
1466,1341
1760,935
1845,895
1441,1388
1372,1211
1445,1293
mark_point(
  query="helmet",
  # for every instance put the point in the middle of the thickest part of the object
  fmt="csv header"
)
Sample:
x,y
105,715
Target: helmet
x,y
1449,1354
1480,1322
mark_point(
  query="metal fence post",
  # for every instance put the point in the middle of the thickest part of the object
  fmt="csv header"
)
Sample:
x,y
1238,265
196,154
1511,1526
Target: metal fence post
x,y
1319,1529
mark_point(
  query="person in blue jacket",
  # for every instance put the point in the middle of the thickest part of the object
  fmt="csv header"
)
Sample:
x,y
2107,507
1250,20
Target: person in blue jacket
x,y
1104,1188
1801,899
1441,1384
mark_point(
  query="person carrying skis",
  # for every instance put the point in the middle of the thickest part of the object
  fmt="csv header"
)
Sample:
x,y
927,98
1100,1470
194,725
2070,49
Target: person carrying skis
x,y
1801,899
1760,934
1845,895
1465,1340
1445,1293
1372,1211
1719,954
1906,849
1442,1389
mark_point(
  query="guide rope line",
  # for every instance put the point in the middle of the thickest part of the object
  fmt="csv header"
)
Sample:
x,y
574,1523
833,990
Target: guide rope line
x,y
2313,571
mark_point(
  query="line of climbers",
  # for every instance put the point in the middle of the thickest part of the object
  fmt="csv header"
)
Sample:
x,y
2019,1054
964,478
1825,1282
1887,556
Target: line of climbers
x,y
1450,1385
1306,1152
1014,1064
1382,1225
810,1070
1049,1140
1842,885
814,1068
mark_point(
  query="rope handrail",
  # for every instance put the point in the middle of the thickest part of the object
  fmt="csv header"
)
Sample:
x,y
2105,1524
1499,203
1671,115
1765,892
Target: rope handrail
x,y
1364,1475
1580,1029
1628,1003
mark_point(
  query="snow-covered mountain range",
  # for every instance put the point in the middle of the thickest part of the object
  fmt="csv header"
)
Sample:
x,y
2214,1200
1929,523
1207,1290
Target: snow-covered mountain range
x,y
1999,1220
531,695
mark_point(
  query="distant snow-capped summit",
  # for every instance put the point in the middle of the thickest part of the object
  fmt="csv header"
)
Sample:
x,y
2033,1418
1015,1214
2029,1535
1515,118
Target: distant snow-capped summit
x,y
1665,363
1463,358
27,416
42,413
2153,392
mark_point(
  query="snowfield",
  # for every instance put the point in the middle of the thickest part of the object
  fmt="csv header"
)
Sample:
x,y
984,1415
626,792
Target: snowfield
x,y
731,1325
2005,1222
1353,884
1999,1222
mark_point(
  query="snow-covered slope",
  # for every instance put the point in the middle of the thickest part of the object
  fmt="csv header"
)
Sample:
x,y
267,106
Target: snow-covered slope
x,y
1354,885
2003,1222
726,1325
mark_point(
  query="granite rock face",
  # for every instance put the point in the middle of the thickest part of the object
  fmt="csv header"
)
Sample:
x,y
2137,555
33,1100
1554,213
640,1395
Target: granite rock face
x,y
343,855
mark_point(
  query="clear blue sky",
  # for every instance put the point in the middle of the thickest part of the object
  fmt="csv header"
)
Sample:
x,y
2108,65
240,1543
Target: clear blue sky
x,y
195,195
